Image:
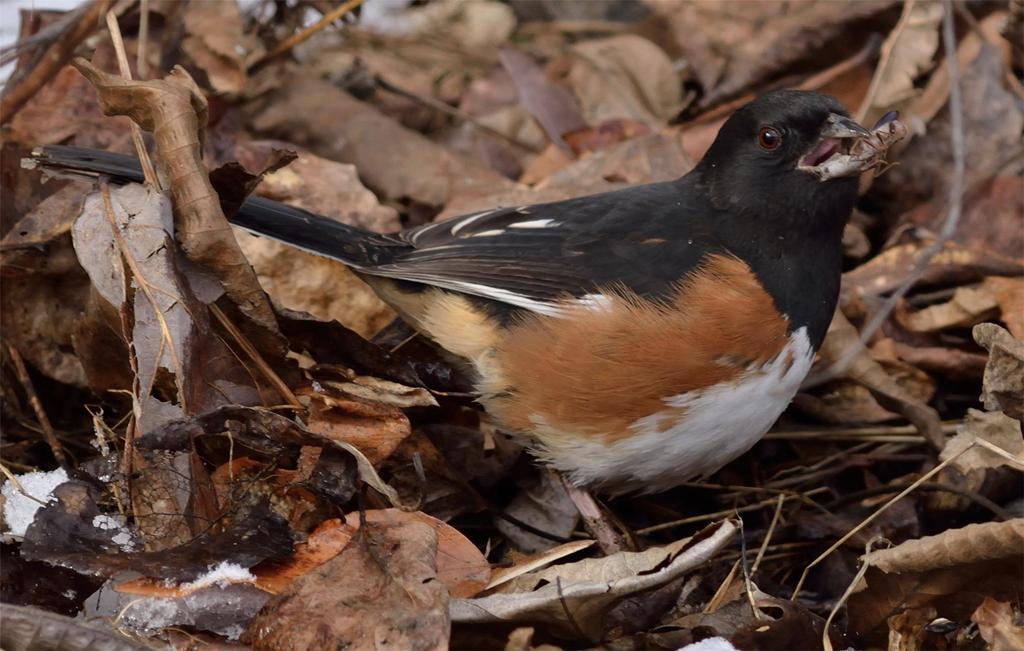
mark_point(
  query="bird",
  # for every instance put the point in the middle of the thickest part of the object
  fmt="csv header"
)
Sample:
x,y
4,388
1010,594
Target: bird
x,y
635,339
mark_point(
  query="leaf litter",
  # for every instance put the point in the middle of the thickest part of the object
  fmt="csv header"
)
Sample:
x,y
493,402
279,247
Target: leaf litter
x,y
280,468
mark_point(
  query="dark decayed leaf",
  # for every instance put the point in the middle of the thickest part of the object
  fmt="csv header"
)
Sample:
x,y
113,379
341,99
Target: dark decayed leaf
x,y
333,343
69,532
240,431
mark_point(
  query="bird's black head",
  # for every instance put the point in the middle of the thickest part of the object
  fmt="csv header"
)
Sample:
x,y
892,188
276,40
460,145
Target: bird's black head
x,y
765,162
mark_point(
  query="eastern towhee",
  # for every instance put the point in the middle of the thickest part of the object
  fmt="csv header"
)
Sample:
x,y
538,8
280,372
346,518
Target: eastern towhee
x,y
638,338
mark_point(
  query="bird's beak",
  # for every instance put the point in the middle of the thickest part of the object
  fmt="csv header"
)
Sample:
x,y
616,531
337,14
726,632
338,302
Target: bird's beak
x,y
838,126
830,158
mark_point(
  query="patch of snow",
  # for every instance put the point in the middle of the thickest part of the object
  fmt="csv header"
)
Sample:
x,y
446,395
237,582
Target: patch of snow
x,y
710,644
19,510
221,575
123,537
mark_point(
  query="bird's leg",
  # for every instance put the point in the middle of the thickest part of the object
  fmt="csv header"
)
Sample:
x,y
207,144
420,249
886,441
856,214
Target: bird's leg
x,y
595,521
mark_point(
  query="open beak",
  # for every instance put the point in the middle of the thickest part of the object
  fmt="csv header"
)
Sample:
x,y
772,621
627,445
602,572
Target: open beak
x,y
833,146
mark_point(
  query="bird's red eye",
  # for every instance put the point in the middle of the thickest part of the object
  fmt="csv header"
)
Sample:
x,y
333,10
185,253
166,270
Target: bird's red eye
x,y
769,138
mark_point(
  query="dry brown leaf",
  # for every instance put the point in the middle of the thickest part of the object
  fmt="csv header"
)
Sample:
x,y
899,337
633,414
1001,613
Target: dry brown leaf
x,y
995,620
544,505
381,590
993,120
996,428
906,53
373,427
971,544
521,639
301,281
590,588
170,336
907,629
1009,294
44,290
394,162
175,111
968,307
623,76
460,565
732,46
840,338
549,103
473,24
1004,372
246,481
954,264
952,571
216,44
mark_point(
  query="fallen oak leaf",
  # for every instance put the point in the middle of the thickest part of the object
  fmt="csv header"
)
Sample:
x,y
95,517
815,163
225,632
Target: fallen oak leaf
x,y
382,590
175,111
460,565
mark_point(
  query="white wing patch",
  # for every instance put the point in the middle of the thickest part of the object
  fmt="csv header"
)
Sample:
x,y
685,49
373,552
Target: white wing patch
x,y
466,221
505,296
535,223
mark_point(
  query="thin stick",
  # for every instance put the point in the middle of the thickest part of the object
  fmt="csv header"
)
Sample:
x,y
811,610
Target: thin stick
x,y
49,61
122,63
141,63
37,406
17,485
857,433
295,39
746,573
826,643
956,196
721,514
264,368
720,592
928,475
767,536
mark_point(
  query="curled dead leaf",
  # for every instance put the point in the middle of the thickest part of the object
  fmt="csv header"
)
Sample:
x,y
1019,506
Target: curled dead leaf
x,y
175,111
1004,372
590,588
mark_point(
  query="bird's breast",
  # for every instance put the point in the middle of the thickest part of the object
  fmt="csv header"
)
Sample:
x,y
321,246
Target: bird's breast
x,y
634,394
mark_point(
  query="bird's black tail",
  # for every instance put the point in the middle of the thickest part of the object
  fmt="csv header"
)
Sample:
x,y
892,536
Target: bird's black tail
x,y
294,226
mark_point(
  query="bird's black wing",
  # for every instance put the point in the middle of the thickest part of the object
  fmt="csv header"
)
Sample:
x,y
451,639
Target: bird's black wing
x,y
643,239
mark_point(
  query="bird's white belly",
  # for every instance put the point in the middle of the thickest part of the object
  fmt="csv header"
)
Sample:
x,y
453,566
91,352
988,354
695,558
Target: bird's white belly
x,y
712,427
